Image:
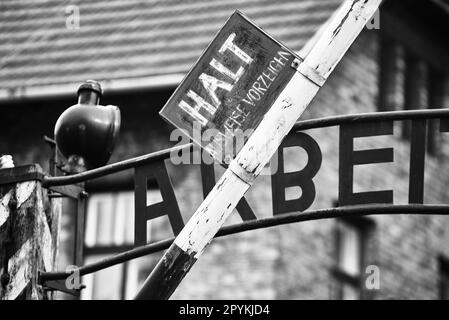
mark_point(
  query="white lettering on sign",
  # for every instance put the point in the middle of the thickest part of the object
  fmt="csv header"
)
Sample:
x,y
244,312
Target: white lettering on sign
x,y
211,84
266,78
257,91
229,44
223,70
200,103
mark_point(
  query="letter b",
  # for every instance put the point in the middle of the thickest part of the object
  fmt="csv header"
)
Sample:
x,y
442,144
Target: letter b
x,y
304,179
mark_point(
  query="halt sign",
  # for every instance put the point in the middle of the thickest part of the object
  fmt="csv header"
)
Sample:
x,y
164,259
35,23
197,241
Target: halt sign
x,y
230,88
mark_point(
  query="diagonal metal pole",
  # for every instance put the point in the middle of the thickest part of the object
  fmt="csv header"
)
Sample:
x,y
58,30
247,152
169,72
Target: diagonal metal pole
x,y
311,74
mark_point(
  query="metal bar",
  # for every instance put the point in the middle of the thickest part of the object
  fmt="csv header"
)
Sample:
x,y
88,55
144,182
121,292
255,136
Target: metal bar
x,y
370,117
112,261
300,125
71,190
80,227
113,168
349,211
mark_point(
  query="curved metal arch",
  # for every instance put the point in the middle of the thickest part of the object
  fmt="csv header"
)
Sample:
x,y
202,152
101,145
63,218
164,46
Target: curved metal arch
x,y
340,212
299,126
370,117
114,167
350,211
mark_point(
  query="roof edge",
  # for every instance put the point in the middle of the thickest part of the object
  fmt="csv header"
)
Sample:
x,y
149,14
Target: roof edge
x,y
68,89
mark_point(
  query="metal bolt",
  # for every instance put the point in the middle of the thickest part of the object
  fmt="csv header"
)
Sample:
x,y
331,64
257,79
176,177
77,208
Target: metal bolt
x,y
295,63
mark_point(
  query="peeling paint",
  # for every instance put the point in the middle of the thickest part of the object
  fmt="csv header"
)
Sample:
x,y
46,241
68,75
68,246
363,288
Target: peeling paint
x,y
4,208
45,242
343,21
17,268
23,191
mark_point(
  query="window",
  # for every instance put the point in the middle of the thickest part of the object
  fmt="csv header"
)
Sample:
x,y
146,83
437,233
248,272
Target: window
x,y
389,75
110,230
444,278
408,82
110,218
436,82
414,87
351,257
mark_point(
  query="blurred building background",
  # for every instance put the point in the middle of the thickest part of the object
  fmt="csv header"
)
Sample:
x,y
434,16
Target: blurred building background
x,y
140,50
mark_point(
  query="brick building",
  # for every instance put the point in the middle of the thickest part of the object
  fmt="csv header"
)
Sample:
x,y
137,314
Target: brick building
x,y
140,50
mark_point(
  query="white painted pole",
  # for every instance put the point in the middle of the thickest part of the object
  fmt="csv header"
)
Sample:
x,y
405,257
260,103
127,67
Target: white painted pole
x,y
328,50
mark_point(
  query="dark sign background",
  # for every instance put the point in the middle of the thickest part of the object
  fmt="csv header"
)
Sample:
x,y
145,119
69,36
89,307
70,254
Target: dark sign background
x,y
262,49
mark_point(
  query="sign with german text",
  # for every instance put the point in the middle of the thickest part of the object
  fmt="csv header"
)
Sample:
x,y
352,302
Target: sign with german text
x,y
230,88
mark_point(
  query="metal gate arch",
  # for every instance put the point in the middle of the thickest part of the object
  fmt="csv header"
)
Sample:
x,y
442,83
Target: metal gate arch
x,y
62,184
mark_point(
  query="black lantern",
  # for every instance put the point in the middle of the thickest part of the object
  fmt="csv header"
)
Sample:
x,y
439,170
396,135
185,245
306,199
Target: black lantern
x,y
86,132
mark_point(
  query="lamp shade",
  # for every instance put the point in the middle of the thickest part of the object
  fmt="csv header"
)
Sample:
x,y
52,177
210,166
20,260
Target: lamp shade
x,y
87,129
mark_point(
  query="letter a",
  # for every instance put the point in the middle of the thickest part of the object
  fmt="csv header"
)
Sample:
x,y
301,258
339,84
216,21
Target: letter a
x,y
211,84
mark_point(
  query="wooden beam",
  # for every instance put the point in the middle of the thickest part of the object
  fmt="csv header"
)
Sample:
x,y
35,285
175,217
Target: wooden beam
x,y
243,170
